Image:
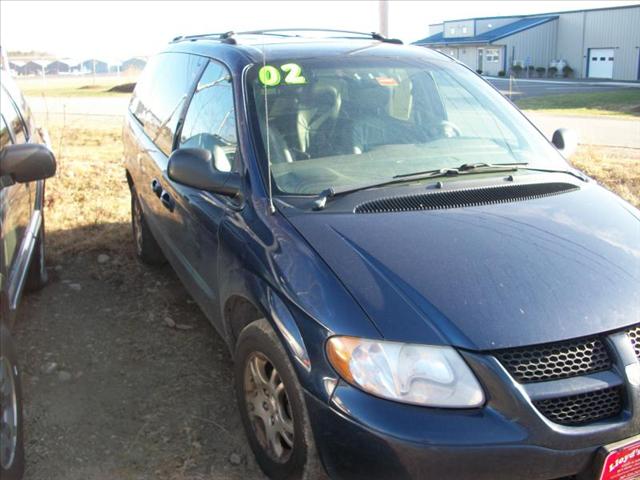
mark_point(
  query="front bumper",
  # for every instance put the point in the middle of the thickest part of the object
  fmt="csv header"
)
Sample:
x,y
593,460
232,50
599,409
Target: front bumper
x,y
361,436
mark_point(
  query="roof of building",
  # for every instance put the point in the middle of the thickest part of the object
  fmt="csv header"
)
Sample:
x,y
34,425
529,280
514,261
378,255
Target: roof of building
x,y
635,5
489,36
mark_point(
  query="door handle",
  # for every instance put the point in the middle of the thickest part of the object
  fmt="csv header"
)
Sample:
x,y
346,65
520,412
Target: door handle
x,y
156,187
167,201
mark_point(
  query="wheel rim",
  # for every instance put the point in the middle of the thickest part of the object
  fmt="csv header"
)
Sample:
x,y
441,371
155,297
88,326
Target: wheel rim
x,y
268,407
137,224
8,415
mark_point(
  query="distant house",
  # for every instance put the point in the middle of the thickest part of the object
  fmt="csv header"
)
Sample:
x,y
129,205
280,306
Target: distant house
x,y
17,66
56,67
93,65
34,67
133,63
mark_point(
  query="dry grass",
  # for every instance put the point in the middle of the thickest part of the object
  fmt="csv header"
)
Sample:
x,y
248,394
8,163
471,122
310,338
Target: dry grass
x,y
616,168
88,201
75,86
89,193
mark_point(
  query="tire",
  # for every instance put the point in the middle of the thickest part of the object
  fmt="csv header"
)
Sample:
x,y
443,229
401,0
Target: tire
x,y
147,247
11,438
37,274
258,343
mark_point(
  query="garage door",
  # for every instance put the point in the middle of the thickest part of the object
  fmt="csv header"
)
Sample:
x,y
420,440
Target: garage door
x,y
601,63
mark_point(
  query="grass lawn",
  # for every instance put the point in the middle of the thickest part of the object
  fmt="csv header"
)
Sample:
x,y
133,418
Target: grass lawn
x,y
623,102
72,86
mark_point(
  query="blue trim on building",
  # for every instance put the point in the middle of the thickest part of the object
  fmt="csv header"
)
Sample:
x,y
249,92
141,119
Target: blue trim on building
x,y
487,37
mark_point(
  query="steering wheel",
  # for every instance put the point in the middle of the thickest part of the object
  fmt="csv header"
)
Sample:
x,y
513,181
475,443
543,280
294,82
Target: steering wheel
x,y
450,129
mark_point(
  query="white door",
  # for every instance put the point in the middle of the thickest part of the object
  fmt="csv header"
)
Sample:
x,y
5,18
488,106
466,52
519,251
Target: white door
x,y
601,63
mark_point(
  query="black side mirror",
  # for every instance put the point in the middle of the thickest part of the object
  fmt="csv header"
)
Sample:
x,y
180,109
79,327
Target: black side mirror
x,y
195,168
27,162
566,141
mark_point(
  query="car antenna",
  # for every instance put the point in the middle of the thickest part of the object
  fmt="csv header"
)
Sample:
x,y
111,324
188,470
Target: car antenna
x,y
272,207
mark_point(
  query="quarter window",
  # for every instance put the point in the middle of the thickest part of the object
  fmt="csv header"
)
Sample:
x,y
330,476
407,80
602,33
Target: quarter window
x,y
5,138
210,122
13,119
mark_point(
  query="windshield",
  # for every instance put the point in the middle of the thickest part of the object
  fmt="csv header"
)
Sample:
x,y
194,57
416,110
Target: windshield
x,y
347,122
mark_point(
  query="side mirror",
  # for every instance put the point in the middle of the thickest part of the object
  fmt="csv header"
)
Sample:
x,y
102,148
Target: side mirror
x,y
195,168
566,141
27,162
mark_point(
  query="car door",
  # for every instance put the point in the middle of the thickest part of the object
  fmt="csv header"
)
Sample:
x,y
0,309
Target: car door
x,y
209,122
15,199
157,105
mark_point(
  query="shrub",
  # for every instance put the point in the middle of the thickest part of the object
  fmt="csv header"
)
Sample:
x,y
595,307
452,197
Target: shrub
x,y
501,73
531,68
567,71
541,71
552,71
517,70
479,71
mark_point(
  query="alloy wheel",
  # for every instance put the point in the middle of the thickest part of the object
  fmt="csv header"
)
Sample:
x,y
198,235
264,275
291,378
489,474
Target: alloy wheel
x,y
268,407
8,415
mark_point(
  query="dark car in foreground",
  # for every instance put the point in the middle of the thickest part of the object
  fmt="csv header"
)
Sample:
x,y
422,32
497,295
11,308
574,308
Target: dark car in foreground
x,y
413,282
25,161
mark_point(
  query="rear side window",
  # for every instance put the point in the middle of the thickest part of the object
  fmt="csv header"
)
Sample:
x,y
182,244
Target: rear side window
x,y
161,94
13,119
211,118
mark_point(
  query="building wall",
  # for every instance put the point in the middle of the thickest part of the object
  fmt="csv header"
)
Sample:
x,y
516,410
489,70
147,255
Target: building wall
x,y
483,25
458,27
437,28
569,46
537,45
618,29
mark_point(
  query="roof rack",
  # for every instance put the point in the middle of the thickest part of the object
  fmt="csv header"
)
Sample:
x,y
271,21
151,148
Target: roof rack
x,y
228,37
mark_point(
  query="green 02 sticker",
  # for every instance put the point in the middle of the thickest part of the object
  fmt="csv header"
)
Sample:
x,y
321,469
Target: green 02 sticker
x,y
270,76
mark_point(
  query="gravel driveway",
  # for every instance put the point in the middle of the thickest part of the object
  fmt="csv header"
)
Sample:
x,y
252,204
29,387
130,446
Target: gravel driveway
x,y
124,378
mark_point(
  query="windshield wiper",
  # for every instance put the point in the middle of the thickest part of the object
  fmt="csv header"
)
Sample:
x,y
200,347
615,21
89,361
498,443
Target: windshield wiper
x,y
465,168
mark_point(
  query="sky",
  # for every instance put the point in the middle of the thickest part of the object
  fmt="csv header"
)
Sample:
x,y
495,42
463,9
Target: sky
x,y
116,30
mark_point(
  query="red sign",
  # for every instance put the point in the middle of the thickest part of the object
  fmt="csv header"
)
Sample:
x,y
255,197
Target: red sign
x,y
623,464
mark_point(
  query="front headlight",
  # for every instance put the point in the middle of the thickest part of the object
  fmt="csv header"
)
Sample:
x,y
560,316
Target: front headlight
x,y
418,374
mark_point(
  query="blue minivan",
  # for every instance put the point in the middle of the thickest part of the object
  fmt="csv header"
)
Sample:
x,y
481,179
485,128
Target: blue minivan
x,y
412,280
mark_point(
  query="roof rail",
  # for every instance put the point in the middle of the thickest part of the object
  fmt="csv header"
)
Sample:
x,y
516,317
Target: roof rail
x,y
225,37
228,37
282,32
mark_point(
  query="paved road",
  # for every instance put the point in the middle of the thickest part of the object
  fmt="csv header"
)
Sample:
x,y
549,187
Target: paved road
x,y
607,131
526,88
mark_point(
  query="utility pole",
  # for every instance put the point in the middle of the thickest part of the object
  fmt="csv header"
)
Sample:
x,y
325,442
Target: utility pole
x,y
383,17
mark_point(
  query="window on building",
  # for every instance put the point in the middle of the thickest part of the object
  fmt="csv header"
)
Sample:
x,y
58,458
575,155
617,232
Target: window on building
x,y
594,59
211,119
452,31
611,59
489,25
602,59
492,55
464,29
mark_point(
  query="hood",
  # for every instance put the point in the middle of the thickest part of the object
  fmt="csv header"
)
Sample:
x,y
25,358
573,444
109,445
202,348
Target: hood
x,y
488,277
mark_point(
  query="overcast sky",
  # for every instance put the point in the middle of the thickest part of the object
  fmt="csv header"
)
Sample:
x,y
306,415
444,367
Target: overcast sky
x,y
118,30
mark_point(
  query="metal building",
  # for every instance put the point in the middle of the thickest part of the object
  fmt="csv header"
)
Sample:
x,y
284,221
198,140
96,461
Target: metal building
x,y
598,43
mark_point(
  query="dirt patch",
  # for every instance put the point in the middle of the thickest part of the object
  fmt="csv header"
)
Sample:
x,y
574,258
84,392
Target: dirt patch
x,y
124,88
111,390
